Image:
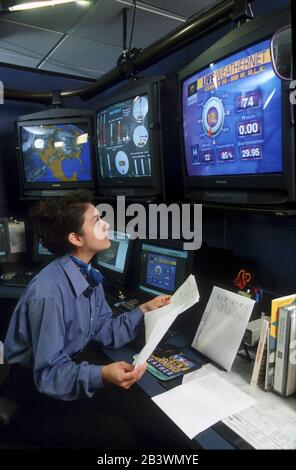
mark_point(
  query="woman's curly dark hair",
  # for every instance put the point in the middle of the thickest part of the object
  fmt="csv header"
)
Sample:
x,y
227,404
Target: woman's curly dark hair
x,y
55,218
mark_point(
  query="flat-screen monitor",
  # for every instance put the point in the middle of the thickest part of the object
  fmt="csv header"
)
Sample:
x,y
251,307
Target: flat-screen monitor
x,y
4,240
129,150
114,263
237,132
12,240
162,268
55,155
40,253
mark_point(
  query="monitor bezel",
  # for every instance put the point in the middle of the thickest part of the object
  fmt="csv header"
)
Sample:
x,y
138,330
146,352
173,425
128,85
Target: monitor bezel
x,y
115,277
55,186
264,188
150,184
163,243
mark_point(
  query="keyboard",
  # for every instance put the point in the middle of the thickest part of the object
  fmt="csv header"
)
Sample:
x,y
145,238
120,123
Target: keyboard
x,y
17,279
124,306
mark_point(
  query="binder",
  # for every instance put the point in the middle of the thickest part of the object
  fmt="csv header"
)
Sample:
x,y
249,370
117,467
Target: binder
x,y
291,372
282,349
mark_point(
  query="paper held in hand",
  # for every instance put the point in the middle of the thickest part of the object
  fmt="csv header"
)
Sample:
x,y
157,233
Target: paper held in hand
x,y
159,320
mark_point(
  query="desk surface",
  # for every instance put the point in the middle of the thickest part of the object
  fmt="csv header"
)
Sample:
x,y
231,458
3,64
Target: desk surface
x,y
10,292
209,439
217,437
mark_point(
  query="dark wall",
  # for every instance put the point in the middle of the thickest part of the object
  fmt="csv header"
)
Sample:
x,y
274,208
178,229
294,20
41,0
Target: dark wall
x,y
266,244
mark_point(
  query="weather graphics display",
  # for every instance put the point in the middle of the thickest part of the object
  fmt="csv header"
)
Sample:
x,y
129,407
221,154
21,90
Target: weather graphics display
x,y
56,153
232,116
123,139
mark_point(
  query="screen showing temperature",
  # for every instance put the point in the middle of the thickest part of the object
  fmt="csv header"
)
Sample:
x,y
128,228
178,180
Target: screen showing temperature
x,y
232,120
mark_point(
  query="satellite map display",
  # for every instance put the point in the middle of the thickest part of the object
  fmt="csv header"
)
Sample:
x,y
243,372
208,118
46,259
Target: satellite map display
x,y
56,153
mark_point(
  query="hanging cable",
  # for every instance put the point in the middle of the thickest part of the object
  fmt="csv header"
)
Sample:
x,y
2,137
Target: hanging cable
x,y
133,24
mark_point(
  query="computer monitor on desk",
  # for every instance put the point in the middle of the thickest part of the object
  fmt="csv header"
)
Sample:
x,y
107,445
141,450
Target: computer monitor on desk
x,y
114,262
12,240
3,240
164,266
40,253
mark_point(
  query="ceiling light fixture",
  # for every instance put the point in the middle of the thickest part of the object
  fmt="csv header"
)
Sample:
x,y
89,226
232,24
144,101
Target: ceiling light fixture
x,y
42,4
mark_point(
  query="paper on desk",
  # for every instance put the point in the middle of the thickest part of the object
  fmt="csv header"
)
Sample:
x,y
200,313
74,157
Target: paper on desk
x,y
268,424
200,403
159,320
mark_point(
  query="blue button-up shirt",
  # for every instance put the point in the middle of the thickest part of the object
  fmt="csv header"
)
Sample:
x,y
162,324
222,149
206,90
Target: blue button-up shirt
x,y
53,321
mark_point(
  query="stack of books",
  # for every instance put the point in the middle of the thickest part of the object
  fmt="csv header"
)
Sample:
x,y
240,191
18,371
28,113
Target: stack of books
x,y
275,362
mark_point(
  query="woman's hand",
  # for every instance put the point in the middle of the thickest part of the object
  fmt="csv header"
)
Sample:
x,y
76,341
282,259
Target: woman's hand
x,y
159,301
122,374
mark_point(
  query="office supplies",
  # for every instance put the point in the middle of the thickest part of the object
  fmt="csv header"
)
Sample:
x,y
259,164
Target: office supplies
x,y
198,404
291,372
253,331
283,349
275,306
257,294
159,320
242,279
222,326
259,370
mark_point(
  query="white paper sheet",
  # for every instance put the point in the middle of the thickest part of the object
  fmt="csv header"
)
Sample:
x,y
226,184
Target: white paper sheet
x,y
159,320
200,403
184,297
222,326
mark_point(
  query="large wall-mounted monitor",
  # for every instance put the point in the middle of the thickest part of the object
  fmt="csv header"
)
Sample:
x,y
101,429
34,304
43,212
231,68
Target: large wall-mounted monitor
x,y
114,263
237,132
129,152
55,154
164,266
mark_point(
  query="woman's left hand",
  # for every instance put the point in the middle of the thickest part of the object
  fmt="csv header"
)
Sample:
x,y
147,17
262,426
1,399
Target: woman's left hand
x,y
159,301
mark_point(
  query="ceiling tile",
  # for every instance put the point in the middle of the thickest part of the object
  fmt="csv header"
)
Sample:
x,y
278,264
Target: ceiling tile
x,y
71,70
80,54
19,42
181,7
105,25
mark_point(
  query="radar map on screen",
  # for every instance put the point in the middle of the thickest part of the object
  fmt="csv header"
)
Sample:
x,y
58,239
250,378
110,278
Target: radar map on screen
x,y
56,153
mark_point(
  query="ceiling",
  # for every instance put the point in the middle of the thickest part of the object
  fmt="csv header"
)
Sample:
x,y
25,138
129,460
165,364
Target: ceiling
x,y
86,41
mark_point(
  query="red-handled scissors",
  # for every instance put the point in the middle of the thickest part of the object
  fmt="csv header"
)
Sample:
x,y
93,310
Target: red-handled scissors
x,y
242,279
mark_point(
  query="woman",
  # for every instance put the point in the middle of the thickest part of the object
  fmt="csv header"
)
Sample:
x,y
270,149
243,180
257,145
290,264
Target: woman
x,y
60,312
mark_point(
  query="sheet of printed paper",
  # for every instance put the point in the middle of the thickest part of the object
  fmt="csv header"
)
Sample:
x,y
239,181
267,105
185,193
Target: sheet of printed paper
x,y
200,403
222,326
158,321
270,423
184,298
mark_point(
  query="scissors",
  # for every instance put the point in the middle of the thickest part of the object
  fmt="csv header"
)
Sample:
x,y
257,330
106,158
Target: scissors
x,y
242,279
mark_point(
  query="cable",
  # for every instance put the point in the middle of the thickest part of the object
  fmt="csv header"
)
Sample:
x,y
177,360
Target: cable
x,y
133,24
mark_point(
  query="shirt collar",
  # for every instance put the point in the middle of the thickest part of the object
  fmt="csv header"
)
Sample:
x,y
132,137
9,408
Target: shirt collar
x,y
77,279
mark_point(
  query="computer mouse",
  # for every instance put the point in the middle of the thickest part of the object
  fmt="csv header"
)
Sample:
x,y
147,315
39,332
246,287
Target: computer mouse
x,y
166,350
